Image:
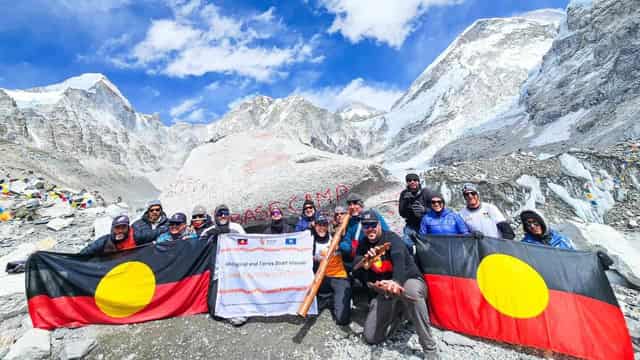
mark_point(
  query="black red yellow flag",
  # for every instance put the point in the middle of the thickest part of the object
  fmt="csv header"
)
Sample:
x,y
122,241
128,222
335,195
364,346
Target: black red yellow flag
x,y
146,283
524,294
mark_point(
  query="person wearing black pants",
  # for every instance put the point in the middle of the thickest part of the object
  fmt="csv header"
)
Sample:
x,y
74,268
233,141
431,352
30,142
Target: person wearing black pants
x,y
335,290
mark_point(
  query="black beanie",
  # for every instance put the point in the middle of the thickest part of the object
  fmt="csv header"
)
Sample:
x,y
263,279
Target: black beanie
x,y
412,176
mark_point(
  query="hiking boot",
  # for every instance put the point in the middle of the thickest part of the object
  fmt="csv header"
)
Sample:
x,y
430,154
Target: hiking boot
x,y
431,354
238,321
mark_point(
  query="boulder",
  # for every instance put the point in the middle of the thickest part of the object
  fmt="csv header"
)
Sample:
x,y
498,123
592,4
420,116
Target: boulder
x,y
34,344
77,349
59,224
252,171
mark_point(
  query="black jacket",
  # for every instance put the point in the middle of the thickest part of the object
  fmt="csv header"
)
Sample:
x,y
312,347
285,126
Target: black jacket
x,y
405,206
143,232
282,227
396,264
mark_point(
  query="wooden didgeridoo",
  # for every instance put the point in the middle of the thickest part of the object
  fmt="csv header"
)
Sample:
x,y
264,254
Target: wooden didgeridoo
x,y
322,268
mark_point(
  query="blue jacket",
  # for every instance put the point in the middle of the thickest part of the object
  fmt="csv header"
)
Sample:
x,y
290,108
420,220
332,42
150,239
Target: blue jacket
x,y
554,239
305,223
185,235
349,243
447,222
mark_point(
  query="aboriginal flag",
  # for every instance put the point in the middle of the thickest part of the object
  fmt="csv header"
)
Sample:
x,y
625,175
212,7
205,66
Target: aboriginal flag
x,y
524,294
150,282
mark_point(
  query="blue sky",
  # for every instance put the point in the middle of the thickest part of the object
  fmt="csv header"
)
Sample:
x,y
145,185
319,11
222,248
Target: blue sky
x,y
190,60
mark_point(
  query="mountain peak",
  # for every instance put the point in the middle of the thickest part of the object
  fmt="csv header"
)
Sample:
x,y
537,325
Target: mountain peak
x,y
357,111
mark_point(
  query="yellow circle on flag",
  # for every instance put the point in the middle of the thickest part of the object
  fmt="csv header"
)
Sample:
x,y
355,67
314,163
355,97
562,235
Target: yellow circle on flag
x,y
512,287
126,289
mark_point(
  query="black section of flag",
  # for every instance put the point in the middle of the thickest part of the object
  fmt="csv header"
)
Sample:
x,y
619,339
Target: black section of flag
x,y
563,270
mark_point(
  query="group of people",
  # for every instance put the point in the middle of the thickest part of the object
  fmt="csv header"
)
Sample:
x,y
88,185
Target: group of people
x,y
400,288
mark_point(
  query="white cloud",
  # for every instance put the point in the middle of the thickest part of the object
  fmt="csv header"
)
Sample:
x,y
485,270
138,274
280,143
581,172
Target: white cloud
x,y
376,95
185,107
199,39
196,116
382,20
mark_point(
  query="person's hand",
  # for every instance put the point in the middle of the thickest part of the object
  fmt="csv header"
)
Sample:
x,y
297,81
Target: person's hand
x,y
418,209
391,287
371,253
477,234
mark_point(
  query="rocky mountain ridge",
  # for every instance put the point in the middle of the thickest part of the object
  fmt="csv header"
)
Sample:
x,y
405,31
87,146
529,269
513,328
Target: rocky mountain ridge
x,y
585,94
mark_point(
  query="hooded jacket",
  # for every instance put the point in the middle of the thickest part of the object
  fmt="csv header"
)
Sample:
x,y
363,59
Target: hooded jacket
x,y
145,233
445,222
549,236
208,222
212,232
279,227
304,223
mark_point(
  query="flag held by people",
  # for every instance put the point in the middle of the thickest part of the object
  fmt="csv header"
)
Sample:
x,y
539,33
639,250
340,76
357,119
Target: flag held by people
x,y
524,294
146,283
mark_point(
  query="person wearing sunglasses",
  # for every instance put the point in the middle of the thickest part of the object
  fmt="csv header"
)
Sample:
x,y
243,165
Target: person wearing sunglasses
x,y
152,224
178,229
412,205
308,216
405,290
537,232
222,225
338,214
440,220
278,224
200,220
482,217
354,235
335,290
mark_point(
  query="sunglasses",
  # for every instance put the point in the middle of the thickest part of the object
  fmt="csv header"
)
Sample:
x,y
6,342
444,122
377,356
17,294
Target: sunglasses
x,y
368,226
470,193
308,207
436,202
353,203
223,213
155,210
325,224
340,213
175,224
276,213
533,224
197,217
413,180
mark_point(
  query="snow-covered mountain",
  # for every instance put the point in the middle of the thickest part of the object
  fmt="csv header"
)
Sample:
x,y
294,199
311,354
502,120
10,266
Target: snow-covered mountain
x,y
585,94
357,111
478,76
87,118
295,118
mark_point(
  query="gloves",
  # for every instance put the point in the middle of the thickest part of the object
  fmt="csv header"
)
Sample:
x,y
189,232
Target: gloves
x,y
418,209
477,234
605,260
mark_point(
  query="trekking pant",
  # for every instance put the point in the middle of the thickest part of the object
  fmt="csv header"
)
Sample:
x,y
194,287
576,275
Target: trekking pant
x,y
384,311
336,293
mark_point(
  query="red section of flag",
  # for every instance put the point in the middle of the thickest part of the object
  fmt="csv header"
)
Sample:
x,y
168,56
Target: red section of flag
x,y
185,297
243,242
571,324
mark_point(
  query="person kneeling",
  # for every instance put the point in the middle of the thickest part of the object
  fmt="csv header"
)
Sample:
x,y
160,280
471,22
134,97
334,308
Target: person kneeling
x,y
335,290
399,284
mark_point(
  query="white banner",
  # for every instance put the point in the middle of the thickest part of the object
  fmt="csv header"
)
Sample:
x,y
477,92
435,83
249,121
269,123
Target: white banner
x,y
263,275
